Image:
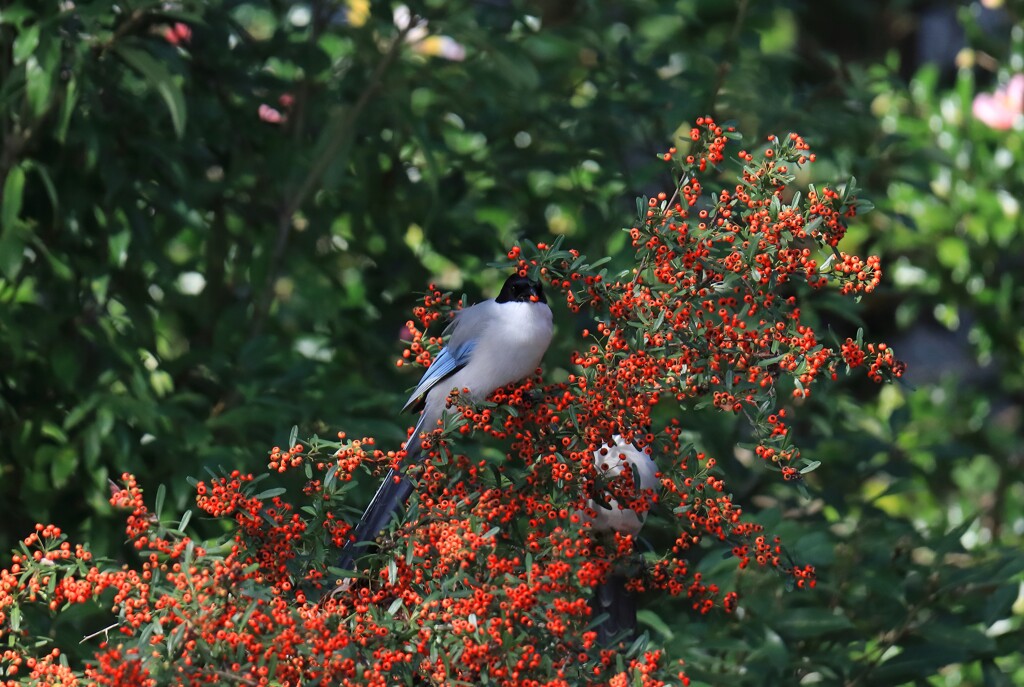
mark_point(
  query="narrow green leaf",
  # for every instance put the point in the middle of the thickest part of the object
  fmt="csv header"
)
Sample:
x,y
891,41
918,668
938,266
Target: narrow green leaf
x,y
158,504
37,85
25,44
801,623
51,189
654,621
41,68
14,187
174,638
958,636
63,463
638,646
342,573
161,80
915,661
16,14
814,465
329,477
67,109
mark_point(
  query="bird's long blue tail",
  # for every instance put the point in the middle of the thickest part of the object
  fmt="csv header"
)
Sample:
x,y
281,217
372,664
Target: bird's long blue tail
x,y
612,597
392,494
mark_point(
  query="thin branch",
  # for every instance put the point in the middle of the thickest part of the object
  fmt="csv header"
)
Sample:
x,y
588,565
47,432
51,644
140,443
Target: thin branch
x,y
103,632
236,678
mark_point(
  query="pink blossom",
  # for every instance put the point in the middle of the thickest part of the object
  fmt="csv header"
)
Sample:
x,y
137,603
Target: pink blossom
x,y
1000,110
418,36
178,33
270,115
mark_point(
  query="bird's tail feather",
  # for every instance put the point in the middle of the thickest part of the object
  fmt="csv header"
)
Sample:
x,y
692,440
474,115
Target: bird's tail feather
x,y
393,492
612,598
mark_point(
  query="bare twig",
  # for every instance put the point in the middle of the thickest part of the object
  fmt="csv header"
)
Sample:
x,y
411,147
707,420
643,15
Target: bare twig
x,y
103,632
235,678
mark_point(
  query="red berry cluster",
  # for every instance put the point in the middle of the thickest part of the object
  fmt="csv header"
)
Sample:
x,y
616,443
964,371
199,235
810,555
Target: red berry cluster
x,y
490,573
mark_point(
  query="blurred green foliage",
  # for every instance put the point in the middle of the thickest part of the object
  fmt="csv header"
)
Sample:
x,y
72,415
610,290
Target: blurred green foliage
x,y
181,281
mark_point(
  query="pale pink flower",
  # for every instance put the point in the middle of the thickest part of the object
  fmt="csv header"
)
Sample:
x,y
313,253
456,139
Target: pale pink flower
x,y
418,36
1001,109
270,115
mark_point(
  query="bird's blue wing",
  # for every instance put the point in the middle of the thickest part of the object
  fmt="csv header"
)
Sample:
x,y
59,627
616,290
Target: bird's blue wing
x,y
449,361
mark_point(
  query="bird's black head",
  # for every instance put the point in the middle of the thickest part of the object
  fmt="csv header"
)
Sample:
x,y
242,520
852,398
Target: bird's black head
x,y
521,290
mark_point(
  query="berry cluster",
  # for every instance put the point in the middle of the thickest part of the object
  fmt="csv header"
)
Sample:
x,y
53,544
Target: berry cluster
x,y
489,574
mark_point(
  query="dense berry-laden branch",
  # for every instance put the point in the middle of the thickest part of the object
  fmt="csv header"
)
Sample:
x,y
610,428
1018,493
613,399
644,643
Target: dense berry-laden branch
x,y
491,570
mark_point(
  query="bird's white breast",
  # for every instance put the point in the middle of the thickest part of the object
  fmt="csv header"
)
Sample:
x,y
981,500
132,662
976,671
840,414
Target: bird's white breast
x,y
510,348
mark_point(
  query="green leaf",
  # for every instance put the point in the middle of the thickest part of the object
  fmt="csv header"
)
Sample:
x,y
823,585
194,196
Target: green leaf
x,y
161,80
654,621
67,109
14,187
638,646
158,504
864,206
999,604
37,85
26,43
16,14
520,73
802,623
63,463
341,573
914,662
952,251
392,572
811,467
953,635
41,68
12,236
44,176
